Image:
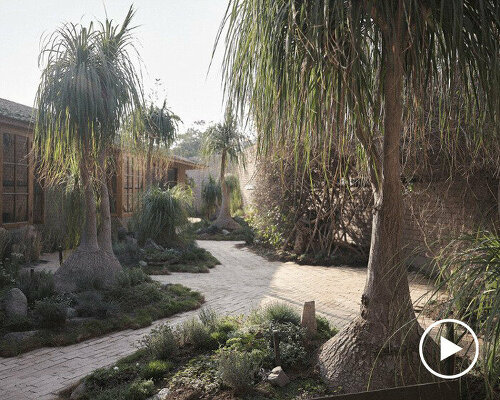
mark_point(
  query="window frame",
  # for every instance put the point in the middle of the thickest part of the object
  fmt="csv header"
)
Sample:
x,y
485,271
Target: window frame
x,y
24,130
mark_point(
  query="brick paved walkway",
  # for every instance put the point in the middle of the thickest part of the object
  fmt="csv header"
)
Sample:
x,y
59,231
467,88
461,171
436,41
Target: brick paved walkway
x,y
242,282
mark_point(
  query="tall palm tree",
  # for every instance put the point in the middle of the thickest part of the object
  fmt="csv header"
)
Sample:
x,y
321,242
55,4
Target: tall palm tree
x,y
224,139
159,127
88,85
356,75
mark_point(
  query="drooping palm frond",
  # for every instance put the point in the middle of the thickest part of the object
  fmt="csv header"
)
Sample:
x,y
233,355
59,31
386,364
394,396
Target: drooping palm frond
x,y
161,213
161,124
224,137
470,273
310,72
211,195
88,86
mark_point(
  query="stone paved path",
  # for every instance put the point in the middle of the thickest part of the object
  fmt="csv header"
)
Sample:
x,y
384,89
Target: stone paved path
x,y
243,282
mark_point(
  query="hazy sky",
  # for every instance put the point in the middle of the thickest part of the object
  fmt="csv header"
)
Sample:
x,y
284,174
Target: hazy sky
x,y
175,38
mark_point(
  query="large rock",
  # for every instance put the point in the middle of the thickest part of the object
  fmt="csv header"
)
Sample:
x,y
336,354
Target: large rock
x,y
277,377
15,303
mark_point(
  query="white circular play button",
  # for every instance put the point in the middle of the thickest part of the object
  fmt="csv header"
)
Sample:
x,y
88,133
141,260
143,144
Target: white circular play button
x,y
448,348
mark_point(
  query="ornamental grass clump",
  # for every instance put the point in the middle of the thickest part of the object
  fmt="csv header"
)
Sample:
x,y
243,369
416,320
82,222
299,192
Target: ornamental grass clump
x,y
470,272
161,215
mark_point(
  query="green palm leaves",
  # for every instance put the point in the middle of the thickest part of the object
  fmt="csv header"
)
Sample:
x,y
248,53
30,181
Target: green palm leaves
x,y
310,71
88,85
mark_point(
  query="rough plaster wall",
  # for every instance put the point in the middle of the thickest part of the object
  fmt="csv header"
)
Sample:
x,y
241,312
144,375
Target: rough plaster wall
x,y
435,213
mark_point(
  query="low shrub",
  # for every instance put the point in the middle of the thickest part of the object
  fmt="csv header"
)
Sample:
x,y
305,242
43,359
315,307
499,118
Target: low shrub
x,y
37,285
4,242
132,277
203,371
51,312
223,330
324,330
238,369
195,333
92,304
292,340
208,317
161,343
281,313
9,271
141,390
156,370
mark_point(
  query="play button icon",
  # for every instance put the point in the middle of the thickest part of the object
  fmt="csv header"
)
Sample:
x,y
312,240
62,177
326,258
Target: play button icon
x,y
448,347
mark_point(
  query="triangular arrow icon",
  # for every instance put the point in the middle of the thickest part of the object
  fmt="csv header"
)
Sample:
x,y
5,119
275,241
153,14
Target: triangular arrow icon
x,y
448,348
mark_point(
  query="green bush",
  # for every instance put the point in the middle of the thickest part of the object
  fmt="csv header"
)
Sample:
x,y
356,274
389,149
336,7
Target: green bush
x,y
161,343
132,277
92,304
324,330
9,271
211,195
37,285
235,196
195,333
51,312
238,369
291,342
156,370
208,317
4,242
161,213
281,313
141,390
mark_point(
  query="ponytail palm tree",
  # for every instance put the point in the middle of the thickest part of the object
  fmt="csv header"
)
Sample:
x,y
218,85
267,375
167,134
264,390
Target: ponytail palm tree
x,y
159,127
88,84
354,77
224,139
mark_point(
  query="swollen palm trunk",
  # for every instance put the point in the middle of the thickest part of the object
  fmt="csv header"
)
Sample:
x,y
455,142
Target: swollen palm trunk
x,y
379,349
92,264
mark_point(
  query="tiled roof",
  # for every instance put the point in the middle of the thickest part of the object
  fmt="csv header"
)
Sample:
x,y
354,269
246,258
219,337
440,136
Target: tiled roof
x,y
16,111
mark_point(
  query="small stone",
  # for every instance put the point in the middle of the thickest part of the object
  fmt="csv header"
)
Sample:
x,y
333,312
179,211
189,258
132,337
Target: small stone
x,y
15,303
309,318
225,232
78,392
277,377
143,263
161,395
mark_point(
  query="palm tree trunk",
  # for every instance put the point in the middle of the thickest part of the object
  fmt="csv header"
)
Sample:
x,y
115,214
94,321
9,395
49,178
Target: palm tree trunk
x,y
90,266
149,174
224,220
379,349
89,234
104,236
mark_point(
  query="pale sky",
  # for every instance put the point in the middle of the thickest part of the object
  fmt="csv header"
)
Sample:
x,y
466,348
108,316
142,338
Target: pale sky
x,y
175,42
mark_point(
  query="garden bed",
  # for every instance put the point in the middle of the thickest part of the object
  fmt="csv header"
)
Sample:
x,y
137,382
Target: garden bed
x,y
192,259
203,230
214,357
59,320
